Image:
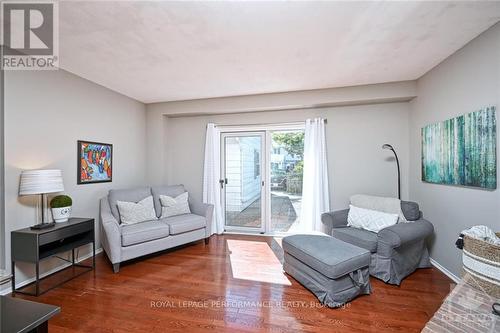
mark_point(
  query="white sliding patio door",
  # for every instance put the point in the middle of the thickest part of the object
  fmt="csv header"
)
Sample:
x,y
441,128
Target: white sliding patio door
x,y
261,178
242,182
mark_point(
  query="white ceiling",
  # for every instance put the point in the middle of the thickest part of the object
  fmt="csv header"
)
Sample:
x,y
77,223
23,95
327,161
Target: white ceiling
x,y
164,51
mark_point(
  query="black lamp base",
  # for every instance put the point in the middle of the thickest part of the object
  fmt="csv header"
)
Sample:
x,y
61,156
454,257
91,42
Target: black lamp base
x,y
42,226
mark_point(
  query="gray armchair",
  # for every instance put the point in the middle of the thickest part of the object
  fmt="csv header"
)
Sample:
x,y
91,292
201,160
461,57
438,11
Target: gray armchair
x,y
396,251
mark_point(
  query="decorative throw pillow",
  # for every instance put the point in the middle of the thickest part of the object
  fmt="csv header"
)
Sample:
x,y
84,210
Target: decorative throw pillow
x,y
131,212
174,206
379,204
370,220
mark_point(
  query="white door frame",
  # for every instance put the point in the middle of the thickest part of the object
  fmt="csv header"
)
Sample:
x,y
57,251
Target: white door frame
x,y
263,161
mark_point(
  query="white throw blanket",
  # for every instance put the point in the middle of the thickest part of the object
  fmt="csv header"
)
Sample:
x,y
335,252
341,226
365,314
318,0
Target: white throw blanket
x,y
483,233
381,204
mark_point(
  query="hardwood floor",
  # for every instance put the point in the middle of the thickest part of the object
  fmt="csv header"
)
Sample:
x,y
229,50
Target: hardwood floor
x,y
218,287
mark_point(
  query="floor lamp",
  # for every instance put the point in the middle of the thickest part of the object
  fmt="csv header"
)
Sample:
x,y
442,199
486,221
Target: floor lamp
x,y
388,146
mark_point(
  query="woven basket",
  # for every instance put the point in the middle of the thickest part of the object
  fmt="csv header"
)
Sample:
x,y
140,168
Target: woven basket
x,y
481,265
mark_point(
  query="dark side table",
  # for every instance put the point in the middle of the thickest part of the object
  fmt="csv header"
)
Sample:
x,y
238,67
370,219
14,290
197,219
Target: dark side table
x,y
32,246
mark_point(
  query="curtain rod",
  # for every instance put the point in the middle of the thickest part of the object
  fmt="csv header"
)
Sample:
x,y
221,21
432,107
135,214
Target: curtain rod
x,y
269,124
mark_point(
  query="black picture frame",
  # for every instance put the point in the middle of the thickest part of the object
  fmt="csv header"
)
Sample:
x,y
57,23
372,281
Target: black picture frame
x,y
81,181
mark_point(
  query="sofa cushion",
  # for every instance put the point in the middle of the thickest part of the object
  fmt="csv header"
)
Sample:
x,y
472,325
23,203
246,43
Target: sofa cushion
x,y
144,232
184,223
130,195
359,237
410,210
169,190
327,255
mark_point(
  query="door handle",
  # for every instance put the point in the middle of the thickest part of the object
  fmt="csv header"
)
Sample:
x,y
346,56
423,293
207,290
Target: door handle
x,y
222,182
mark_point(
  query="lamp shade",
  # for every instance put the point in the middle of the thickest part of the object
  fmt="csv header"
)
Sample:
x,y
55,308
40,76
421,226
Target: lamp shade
x,y
41,181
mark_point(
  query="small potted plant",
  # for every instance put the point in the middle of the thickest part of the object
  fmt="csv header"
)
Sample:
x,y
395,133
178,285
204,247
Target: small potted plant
x,y
61,208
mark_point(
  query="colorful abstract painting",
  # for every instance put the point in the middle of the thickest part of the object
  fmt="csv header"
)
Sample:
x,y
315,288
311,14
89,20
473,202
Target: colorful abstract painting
x,y
462,150
94,162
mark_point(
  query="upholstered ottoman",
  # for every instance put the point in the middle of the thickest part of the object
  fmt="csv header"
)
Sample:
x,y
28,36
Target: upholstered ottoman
x,y
333,270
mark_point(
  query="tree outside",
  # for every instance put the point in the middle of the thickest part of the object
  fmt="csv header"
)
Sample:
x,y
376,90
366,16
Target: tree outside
x,y
287,165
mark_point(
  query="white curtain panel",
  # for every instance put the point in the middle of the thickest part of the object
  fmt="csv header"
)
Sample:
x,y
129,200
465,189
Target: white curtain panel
x,y
315,196
211,176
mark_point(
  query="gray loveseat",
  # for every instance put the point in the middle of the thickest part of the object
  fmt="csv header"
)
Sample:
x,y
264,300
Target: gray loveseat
x,y
396,251
125,242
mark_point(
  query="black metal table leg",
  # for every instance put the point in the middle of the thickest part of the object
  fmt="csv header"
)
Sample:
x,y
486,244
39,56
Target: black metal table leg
x,y
42,328
13,277
37,277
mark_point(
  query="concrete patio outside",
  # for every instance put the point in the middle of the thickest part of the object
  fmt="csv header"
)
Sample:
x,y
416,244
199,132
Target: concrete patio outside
x,y
285,212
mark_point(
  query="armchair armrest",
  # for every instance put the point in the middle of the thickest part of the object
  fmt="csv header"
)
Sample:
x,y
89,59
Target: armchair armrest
x,y
337,219
110,231
404,233
207,210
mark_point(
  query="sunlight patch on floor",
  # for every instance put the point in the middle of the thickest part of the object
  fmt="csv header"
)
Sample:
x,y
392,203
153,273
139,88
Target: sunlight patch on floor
x,y
255,261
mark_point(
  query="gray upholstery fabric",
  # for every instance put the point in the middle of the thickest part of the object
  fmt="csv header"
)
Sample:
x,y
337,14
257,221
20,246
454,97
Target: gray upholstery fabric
x,y
110,232
359,237
330,292
160,244
401,248
144,232
336,219
410,210
333,270
327,255
392,265
184,223
130,195
202,209
170,190
341,283
402,233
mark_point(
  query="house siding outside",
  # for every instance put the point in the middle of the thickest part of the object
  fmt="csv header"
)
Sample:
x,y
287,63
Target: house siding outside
x,y
243,157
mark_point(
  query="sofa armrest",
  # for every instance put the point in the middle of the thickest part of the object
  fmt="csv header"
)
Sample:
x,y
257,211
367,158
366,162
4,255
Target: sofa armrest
x,y
110,231
404,233
207,210
337,219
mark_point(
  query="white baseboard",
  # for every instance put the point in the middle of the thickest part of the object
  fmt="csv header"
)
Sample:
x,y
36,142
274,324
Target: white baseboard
x,y
446,272
8,290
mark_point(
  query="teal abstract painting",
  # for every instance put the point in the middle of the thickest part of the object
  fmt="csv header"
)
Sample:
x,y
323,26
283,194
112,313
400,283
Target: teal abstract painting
x,y
462,150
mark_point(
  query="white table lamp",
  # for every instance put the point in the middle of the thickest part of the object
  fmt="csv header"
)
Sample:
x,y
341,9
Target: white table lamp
x,y
34,182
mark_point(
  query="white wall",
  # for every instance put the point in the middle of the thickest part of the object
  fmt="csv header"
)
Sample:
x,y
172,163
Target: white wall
x,y
46,113
465,82
155,149
355,134
176,134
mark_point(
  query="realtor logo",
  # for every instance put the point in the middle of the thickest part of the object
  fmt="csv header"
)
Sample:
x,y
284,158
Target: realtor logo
x,y
29,35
